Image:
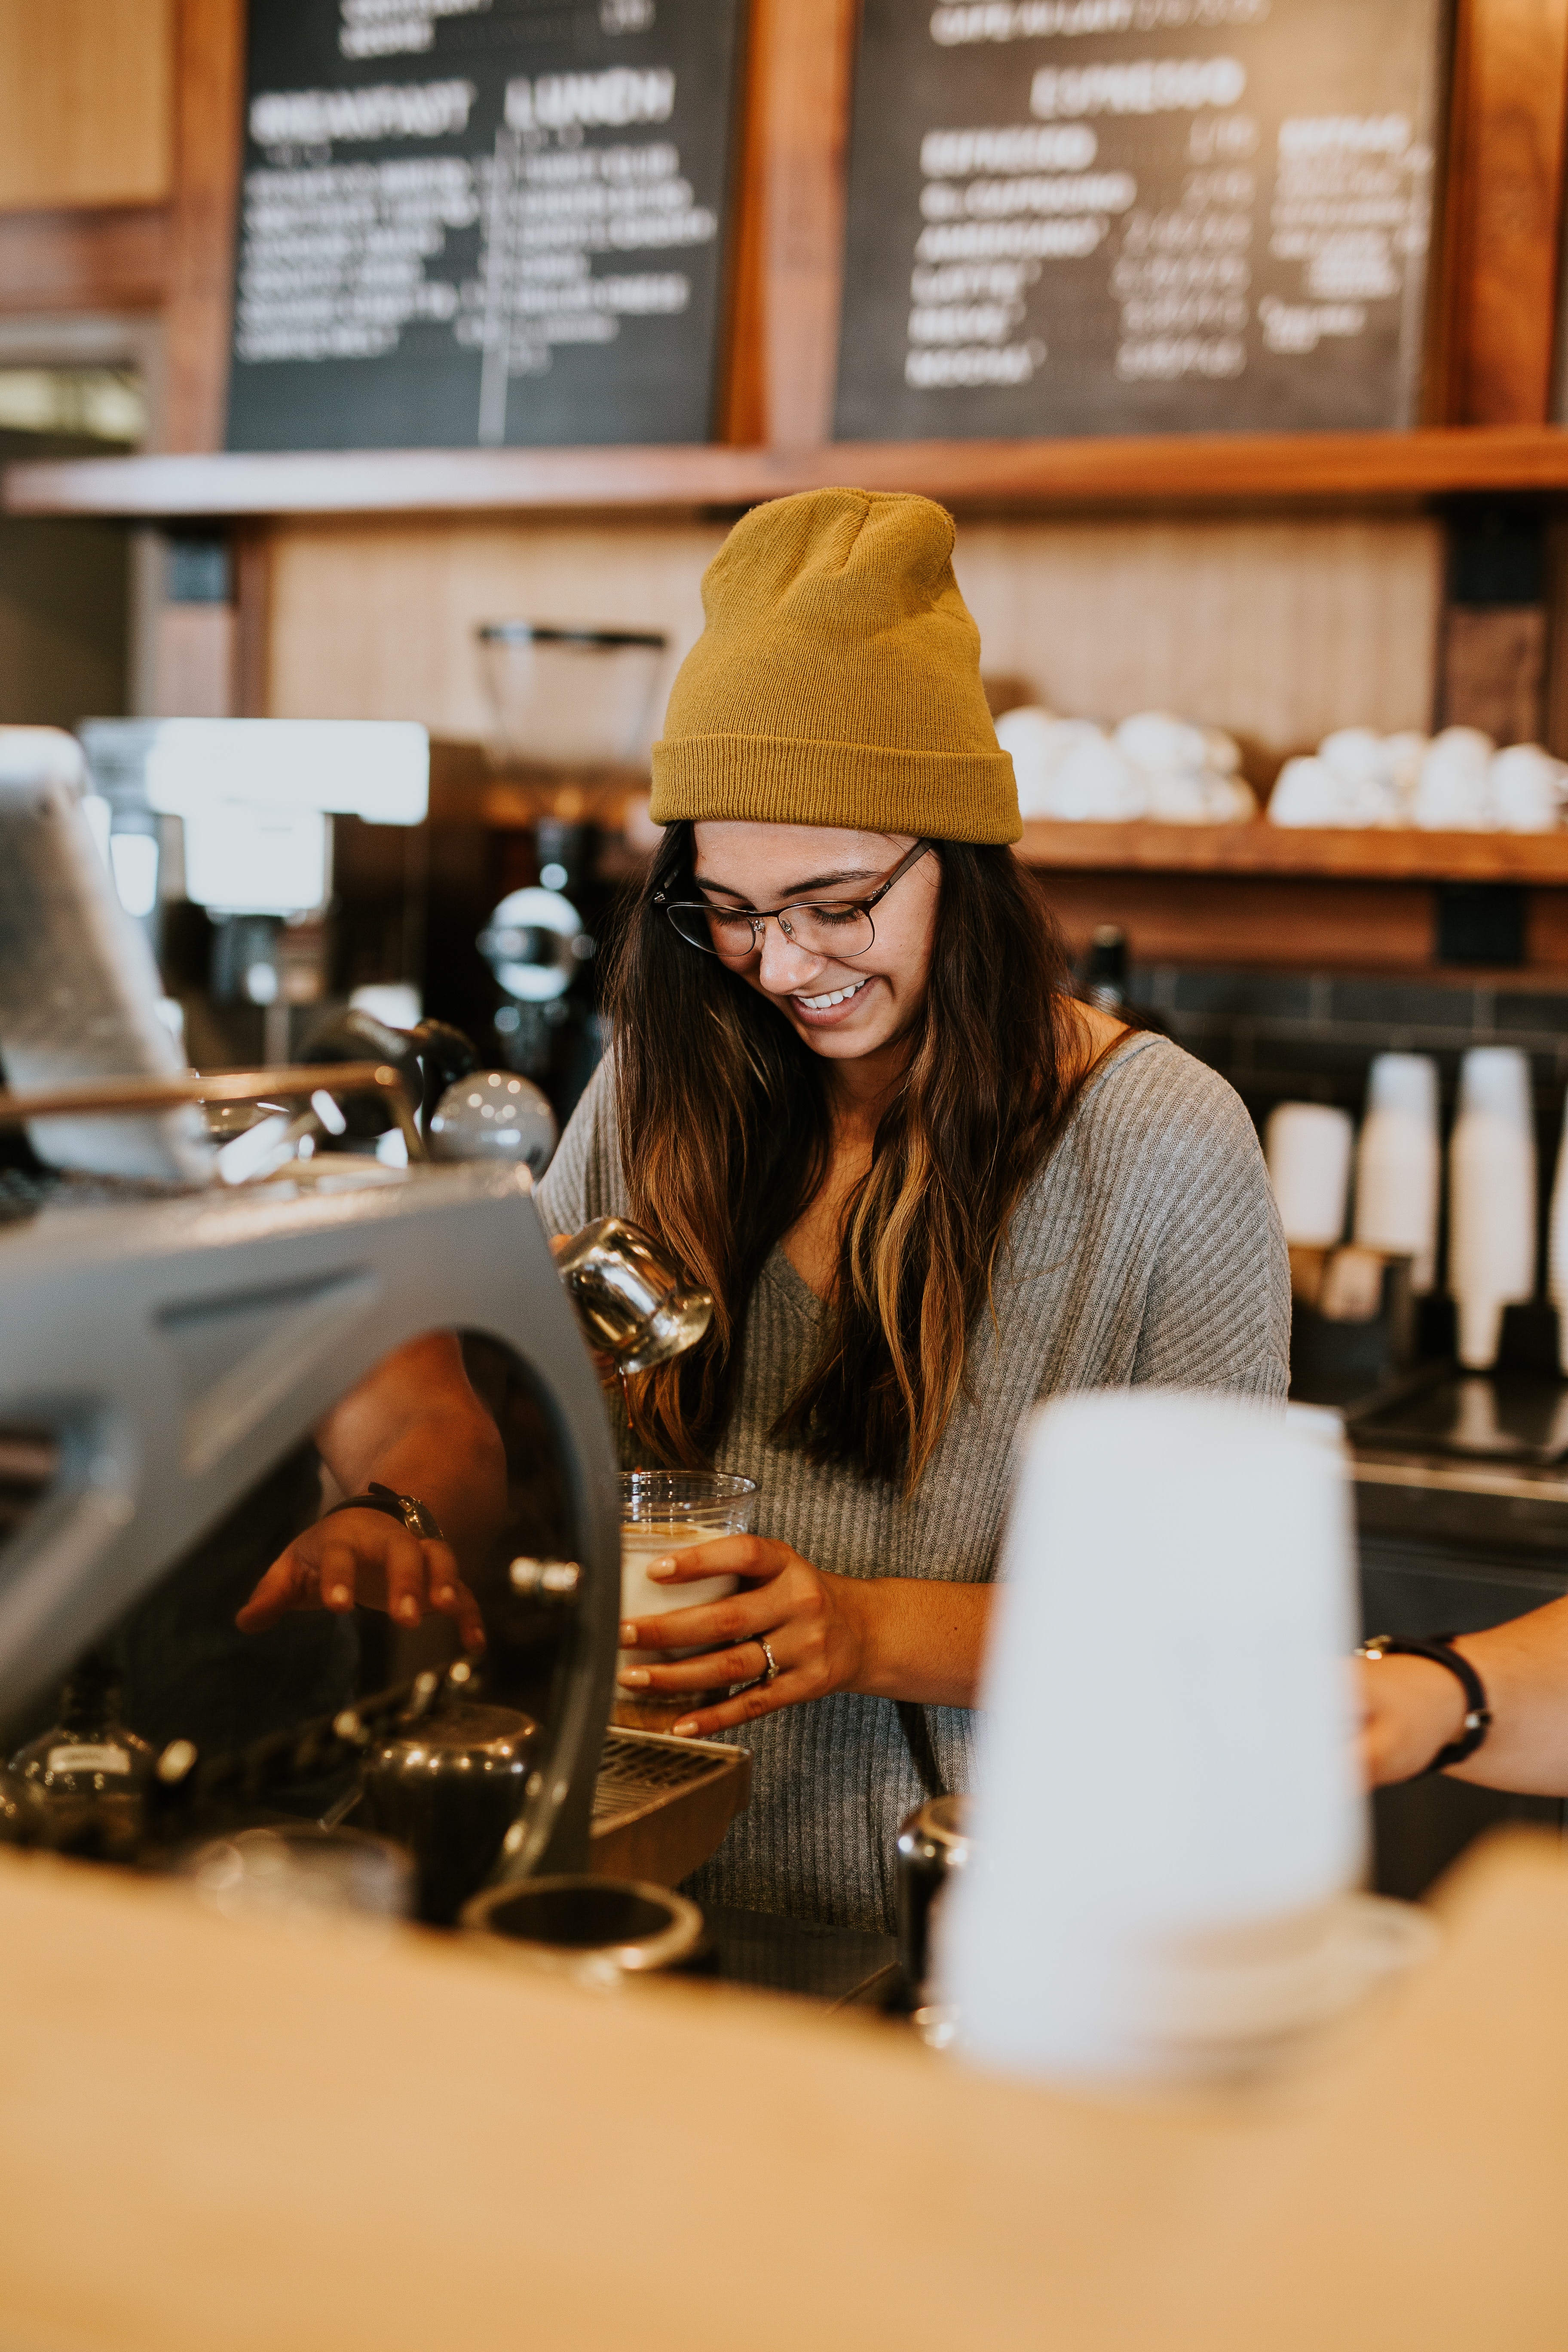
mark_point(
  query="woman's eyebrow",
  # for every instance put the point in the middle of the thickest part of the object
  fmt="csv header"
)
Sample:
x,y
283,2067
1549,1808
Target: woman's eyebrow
x,y
817,882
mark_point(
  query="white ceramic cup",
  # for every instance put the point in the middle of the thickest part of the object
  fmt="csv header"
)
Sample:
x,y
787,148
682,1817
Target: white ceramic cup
x,y
1526,786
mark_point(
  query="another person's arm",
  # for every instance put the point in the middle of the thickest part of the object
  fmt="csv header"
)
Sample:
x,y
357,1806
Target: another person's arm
x,y
414,1425
1412,1707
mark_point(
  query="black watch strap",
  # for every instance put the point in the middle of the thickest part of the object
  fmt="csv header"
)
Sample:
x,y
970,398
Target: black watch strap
x,y
1438,1648
406,1509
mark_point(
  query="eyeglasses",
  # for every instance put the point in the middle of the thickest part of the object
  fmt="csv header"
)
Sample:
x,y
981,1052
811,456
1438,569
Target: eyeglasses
x,y
833,926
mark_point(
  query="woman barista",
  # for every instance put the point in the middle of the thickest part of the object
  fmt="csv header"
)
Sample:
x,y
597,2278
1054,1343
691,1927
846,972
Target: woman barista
x,y
850,1090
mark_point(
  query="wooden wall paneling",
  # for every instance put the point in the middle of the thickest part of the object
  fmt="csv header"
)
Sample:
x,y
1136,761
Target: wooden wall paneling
x,y
84,260
803,54
1493,670
1445,305
210,98
1504,210
1555,591
1546,931
86,102
193,662
251,552
741,405
1260,923
1278,627
376,620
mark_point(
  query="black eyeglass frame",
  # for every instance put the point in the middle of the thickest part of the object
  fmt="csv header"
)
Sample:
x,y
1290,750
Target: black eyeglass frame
x,y
758,916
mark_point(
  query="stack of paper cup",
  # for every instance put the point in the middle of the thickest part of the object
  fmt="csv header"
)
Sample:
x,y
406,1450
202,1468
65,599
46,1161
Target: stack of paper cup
x,y
1399,1163
1557,1247
1307,1148
1167,1813
1491,1198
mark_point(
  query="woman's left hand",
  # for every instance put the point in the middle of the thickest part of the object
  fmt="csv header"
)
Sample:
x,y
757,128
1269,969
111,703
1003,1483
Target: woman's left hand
x,y
814,1624
1410,1709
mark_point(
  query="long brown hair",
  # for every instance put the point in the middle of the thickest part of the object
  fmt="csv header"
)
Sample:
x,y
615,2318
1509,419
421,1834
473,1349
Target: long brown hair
x,y
725,1138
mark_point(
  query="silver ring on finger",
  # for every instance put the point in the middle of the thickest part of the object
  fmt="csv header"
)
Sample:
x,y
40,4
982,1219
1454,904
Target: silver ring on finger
x,y
770,1673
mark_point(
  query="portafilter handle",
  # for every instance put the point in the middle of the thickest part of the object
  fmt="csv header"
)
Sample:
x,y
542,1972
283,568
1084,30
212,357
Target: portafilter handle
x,y
633,1304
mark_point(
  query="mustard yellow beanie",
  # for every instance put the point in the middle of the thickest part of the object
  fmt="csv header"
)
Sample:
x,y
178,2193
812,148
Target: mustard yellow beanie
x,y
837,680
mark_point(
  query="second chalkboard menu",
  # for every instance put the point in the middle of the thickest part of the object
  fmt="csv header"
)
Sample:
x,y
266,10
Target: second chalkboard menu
x,y
482,222
1071,217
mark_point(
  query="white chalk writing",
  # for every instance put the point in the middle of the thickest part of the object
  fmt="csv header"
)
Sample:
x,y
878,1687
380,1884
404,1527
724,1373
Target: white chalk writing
x,y
386,28
1146,86
1033,20
315,118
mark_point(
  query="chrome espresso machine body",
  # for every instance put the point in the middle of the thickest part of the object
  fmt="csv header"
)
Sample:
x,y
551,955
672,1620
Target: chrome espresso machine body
x,y
164,1356
197,1271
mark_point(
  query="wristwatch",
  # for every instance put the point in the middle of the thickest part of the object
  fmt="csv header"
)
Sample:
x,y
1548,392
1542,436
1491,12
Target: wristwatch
x,y
1439,1648
406,1509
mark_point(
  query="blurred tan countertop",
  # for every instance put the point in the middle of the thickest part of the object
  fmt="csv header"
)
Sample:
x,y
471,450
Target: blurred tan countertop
x,y
217,2136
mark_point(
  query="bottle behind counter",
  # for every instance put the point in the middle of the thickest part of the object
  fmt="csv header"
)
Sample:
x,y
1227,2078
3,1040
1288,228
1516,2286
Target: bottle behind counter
x,y
91,1772
1105,970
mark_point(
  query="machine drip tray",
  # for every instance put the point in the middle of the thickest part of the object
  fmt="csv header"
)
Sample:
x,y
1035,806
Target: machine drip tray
x,y
661,1806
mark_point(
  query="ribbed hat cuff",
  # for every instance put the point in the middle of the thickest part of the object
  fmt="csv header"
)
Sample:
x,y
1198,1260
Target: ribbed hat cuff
x,y
864,787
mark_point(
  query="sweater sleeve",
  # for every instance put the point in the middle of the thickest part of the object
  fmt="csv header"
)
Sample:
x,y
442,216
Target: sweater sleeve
x,y
584,1180
1218,1308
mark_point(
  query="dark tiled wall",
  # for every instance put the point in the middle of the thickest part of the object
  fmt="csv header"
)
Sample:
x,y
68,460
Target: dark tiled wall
x,y
1310,1038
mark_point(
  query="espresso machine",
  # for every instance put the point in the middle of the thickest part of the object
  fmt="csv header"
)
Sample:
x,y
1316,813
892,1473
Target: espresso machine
x,y
174,1325
219,834
161,1358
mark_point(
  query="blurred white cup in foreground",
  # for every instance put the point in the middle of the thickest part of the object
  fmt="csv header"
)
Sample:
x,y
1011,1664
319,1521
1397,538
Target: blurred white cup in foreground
x,y
1307,1148
1161,1845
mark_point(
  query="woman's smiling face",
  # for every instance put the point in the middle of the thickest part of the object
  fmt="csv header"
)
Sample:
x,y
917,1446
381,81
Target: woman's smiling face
x,y
843,1007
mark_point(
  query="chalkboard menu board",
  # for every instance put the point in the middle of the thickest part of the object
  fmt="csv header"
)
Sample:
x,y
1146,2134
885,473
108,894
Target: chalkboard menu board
x,y
1138,215
482,221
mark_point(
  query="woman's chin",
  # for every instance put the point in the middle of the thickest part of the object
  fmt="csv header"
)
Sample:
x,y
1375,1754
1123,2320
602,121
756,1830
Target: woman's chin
x,y
846,1041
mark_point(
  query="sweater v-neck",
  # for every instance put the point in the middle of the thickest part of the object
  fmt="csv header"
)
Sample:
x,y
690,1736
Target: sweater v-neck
x,y
796,1292
792,1286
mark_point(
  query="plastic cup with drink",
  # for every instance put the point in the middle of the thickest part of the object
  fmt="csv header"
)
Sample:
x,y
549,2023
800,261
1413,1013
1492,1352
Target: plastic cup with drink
x,y
664,1512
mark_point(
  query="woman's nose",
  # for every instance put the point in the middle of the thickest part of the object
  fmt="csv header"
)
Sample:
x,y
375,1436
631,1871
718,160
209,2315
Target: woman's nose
x,y
784,965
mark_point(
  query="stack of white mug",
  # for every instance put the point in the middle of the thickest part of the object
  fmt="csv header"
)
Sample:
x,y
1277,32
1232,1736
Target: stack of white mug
x,y
1397,1170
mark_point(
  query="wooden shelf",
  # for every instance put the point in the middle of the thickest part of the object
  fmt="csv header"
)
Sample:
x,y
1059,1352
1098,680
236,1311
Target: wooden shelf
x,y
1157,469
1298,854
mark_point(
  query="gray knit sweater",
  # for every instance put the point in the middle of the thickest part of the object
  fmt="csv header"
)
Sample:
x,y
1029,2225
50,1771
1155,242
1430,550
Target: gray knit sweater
x,y
1146,1249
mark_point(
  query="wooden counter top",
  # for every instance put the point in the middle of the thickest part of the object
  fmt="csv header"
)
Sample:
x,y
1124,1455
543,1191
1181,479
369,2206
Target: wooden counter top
x,y
215,2139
